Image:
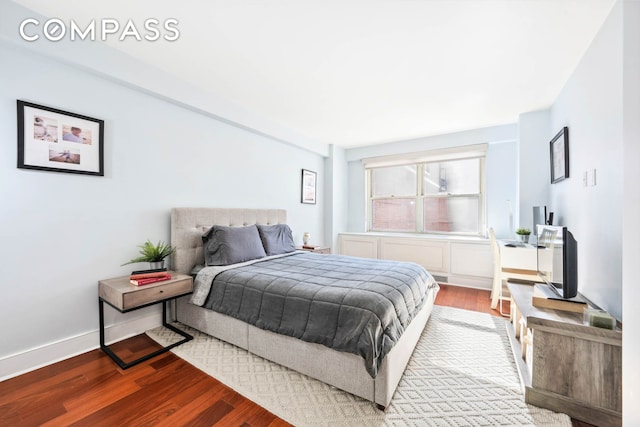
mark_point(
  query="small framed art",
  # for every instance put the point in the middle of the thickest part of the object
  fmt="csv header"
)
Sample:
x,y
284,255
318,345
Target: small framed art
x,y
59,141
559,149
309,179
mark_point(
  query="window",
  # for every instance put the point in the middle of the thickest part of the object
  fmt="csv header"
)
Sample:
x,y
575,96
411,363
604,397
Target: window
x,y
393,191
441,192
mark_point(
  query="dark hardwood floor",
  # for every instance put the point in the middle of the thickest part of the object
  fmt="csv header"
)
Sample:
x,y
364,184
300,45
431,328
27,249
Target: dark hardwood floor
x,y
90,390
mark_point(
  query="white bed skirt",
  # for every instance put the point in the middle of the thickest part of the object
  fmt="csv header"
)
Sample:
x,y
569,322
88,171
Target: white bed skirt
x,y
345,371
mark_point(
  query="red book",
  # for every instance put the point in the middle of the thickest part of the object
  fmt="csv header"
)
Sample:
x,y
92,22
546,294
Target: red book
x,y
148,275
148,280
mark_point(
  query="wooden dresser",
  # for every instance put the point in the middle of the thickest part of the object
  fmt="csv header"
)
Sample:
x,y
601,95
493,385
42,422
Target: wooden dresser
x,y
564,365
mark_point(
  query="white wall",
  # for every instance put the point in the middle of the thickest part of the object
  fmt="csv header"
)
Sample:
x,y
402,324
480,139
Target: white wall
x,y
336,196
61,233
534,173
357,221
631,213
590,105
494,134
600,104
501,170
502,177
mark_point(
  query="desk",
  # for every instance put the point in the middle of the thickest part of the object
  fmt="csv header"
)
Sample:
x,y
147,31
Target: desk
x,y
518,258
511,262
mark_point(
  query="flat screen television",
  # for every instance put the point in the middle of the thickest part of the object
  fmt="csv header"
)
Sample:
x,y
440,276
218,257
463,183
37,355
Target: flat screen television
x,y
557,258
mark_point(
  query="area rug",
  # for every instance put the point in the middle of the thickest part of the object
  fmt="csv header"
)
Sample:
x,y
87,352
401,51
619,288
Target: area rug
x,y
462,373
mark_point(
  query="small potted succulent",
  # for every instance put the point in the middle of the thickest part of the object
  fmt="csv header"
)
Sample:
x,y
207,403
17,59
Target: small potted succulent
x,y
523,233
153,254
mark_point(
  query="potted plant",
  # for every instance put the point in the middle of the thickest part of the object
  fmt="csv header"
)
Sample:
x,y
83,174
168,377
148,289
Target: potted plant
x,y
153,254
523,233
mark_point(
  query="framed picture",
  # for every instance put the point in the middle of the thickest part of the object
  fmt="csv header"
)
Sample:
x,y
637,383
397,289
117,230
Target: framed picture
x,y
59,141
559,148
308,187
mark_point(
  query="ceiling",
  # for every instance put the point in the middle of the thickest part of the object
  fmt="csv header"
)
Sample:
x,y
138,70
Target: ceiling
x,y
363,72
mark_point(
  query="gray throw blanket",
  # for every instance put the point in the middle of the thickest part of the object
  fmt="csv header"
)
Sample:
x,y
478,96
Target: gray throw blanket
x,y
350,304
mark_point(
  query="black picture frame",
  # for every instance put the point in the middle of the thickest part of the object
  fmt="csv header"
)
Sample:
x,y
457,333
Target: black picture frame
x,y
54,140
308,187
559,154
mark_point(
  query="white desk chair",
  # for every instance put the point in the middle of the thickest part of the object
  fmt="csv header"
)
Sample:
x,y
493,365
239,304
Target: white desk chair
x,y
501,274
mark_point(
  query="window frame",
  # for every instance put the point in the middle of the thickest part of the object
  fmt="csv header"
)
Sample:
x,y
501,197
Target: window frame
x,y
420,197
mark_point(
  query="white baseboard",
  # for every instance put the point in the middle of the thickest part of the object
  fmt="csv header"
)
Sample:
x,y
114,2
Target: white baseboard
x,y
471,282
26,361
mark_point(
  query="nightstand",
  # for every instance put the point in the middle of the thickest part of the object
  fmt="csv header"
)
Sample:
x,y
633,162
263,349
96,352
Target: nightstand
x,y
316,249
125,297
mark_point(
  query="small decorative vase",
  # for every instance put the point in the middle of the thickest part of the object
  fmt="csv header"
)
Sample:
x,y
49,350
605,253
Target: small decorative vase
x,y
524,238
156,265
305,238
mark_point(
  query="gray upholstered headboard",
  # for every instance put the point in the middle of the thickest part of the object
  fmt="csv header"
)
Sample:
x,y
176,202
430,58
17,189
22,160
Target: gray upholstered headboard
x,y
188,225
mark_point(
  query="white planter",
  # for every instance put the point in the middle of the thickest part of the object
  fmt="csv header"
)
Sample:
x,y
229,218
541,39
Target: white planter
x,y
156,265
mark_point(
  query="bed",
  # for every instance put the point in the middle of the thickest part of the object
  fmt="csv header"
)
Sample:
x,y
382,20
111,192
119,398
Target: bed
x,y
338,368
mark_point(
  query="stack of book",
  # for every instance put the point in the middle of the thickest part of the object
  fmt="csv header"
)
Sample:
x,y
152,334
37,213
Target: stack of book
x,y
145,277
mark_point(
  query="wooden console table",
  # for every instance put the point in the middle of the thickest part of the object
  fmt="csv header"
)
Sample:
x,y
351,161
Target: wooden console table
x,y
564,365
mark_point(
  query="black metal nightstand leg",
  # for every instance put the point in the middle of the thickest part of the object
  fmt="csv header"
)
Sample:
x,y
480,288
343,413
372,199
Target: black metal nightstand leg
x,y
126,365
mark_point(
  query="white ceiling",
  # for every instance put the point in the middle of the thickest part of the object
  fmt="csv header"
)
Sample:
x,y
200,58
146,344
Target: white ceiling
x,y
361,72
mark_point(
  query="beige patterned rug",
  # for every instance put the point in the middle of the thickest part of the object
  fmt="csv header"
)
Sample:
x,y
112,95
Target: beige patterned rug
x,y
462,373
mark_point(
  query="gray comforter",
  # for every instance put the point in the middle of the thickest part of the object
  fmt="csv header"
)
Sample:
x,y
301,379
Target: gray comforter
x,y
349,304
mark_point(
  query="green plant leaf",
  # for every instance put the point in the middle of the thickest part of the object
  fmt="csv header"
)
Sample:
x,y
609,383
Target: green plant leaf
x,y
152,253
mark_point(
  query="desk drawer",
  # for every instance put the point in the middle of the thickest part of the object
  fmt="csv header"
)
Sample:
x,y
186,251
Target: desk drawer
x,y
155,293
519,258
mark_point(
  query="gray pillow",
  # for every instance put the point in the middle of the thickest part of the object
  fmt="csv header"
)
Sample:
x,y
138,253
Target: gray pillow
x,y
277,239
230,245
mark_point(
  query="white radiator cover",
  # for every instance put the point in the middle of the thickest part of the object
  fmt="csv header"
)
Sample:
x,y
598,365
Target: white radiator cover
x,y
465,261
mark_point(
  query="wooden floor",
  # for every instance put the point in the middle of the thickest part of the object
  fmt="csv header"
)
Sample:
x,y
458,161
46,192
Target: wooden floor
x,y
90,390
